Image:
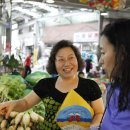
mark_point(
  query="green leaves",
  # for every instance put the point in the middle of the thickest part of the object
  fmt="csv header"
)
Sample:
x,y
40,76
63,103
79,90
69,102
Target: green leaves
x,y
11,62
11,87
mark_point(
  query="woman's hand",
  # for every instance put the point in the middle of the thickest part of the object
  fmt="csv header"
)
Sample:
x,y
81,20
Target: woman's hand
x,y
7,107
19,105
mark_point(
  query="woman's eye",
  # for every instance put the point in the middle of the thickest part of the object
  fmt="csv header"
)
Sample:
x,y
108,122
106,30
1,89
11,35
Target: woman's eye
x,y
60,60
102,53
71,57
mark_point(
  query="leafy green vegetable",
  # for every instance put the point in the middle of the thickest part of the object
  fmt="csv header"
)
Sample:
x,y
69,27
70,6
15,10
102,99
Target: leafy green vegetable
x,y
39,109
11,88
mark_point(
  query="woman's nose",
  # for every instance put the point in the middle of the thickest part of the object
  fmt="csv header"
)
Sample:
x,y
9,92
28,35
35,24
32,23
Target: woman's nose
x,y
67,62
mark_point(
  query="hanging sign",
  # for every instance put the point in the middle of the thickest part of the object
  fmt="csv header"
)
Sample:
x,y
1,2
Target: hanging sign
x,y
85,37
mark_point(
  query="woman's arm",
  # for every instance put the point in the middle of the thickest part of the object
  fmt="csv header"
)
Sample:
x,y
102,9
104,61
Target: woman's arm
x,y
19,105
98,108
27,102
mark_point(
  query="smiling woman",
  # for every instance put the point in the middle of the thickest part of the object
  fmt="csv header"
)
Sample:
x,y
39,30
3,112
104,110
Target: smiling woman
x,y
66,62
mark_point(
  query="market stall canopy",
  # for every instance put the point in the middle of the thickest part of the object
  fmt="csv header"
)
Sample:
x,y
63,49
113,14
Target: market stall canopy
x,y
28,10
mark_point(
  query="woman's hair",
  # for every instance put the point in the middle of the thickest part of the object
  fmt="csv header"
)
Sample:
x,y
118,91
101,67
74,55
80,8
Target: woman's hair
x,y
118,34
51,68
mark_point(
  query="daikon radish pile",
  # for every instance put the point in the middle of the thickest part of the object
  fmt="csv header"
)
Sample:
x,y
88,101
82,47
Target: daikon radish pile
x,y
20,121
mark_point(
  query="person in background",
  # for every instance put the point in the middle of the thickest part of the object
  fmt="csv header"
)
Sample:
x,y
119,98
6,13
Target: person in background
x,y
97,72
89,65
81,74
27,64
65,61
115,60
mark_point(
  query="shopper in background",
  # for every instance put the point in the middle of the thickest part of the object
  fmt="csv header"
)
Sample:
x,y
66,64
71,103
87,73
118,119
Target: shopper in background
x,y
65,60
97,72
27,64
89,65
115,59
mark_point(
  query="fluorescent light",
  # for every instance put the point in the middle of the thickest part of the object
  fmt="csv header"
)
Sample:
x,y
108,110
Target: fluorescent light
x,y
104,14
17,1
50,1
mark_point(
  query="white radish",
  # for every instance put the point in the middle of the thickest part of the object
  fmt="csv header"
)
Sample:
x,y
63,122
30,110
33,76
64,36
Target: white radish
x,y
34,116
12,127
3,124
13,114
20,128
18,118
1,118
12,122
30,124
3,129
26,120
28,128
40,118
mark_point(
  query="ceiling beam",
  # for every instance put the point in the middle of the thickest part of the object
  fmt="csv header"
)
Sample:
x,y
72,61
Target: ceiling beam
x,y
27,12
118,14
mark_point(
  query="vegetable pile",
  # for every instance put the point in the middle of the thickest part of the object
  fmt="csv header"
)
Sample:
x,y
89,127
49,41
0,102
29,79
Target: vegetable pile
x,y
11,88
39,109
21,121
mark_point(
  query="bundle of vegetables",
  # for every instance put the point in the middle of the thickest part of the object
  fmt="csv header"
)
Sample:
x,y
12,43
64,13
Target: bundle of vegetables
x,y
10,63
18,77
21,121
11,88
39,109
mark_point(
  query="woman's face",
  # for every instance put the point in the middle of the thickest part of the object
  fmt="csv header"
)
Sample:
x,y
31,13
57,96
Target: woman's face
x,y
66,63
107,58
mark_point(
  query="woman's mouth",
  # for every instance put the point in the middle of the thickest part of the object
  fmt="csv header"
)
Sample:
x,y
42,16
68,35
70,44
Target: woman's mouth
x,y
67,70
